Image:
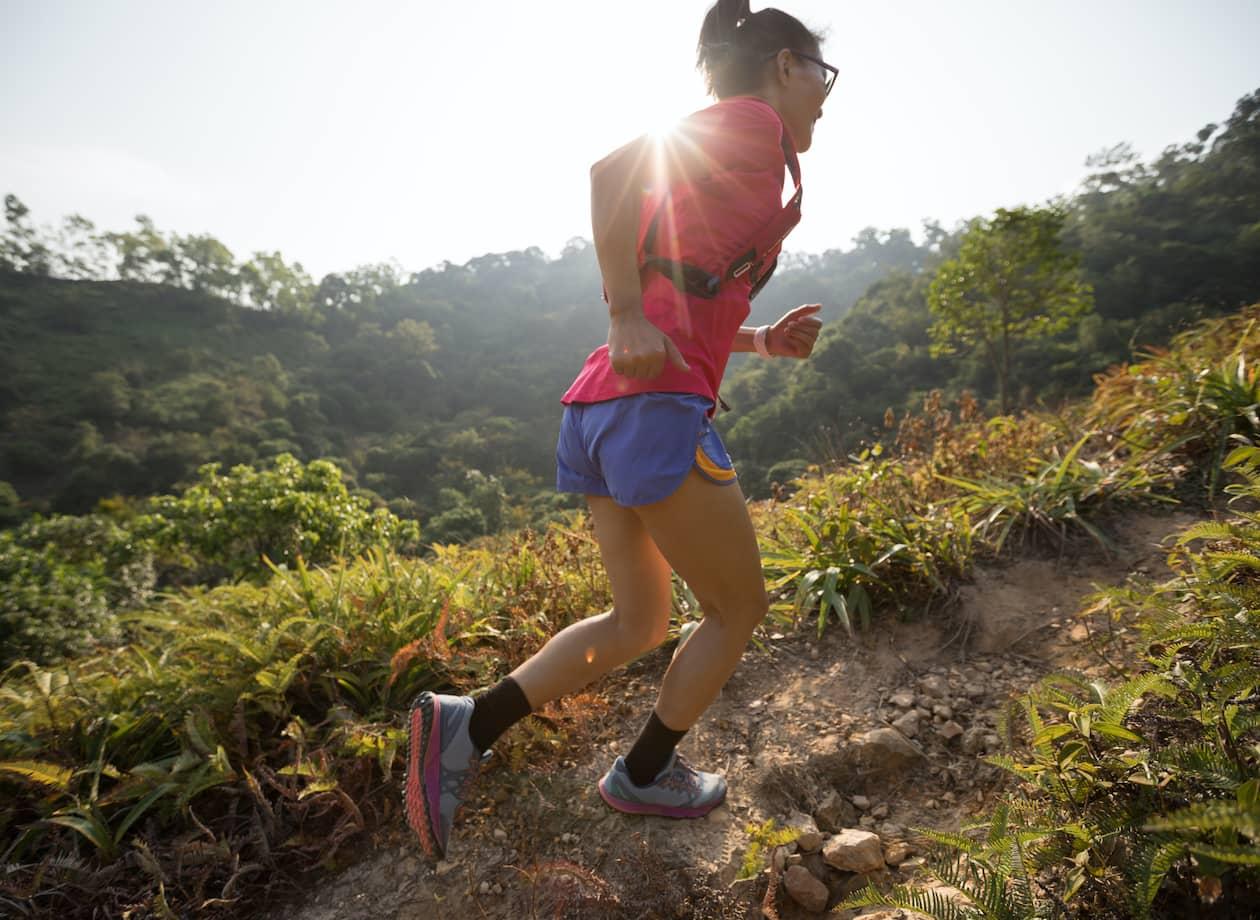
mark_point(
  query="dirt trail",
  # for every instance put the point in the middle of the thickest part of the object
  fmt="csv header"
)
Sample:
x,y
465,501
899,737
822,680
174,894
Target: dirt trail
x,y
540,842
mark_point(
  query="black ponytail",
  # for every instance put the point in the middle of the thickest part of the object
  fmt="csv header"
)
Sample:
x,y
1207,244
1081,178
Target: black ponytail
x,y
734,44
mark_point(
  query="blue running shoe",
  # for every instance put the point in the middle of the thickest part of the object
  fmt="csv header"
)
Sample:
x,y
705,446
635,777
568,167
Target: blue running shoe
x,y
442,763
679,790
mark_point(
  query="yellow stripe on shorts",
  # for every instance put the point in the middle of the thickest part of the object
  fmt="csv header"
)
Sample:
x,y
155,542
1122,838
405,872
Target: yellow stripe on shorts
x,y
711,469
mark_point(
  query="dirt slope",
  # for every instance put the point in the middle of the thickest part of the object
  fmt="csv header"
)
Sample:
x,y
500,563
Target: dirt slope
x,y
539,842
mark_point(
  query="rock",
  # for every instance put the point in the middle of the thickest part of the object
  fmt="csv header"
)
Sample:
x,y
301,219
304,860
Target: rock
x,y
992,743
973,740
806,890
854,851
897,853
1079,632
974,691
902,699
835,812
945,712
866,821
908,724
808,838
950,730
879,811
861,801
934,685
779,857
890,830
884,750
500,834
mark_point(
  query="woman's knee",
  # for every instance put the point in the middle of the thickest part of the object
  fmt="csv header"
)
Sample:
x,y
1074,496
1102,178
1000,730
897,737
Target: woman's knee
x,y
742,613
641,631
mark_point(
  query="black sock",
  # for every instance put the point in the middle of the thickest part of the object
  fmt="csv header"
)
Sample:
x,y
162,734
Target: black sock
x,y
651,752
495,711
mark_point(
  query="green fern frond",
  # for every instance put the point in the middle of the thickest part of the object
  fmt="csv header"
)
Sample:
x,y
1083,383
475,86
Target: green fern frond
x,y
925,901
45,774
1211,816
1238,855
1149,863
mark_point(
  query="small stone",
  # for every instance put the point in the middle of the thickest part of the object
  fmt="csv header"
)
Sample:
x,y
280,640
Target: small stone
x,y
973,740
880,811
808,837
483,888
806,890
854,851
444,866
992,743
835,812
934,685
861,801
1078,633
974,691
897,853
866,821
500,834
902,699
914,862
884,750
950,730
890,830
908,724
945,712
497,889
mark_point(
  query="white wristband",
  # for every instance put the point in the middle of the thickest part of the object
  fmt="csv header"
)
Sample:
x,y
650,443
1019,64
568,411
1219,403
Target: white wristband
x,y
759,341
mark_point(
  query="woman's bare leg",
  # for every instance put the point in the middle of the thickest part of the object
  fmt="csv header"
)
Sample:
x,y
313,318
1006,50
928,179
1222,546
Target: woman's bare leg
x,y
637,622
704,531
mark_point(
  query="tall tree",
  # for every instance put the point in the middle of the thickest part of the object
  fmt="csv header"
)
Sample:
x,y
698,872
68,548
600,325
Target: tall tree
x,y
1012,280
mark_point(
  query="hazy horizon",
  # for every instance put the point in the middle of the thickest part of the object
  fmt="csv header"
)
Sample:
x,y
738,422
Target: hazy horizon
x,y
390,132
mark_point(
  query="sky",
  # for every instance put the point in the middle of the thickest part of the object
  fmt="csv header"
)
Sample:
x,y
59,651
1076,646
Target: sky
x,y
345,133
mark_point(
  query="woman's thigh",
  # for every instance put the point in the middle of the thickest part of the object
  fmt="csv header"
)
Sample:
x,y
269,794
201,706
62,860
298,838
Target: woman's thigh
x,y
704,532
637,572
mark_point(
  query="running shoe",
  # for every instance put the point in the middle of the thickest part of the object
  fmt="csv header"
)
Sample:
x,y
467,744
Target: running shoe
x,y
442,763
679,790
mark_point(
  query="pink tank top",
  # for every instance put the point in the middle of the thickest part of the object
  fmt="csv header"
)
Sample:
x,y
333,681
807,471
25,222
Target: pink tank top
x,y
743,137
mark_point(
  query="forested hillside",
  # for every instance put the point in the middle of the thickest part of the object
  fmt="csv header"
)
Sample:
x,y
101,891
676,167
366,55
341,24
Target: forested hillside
x,y
129,359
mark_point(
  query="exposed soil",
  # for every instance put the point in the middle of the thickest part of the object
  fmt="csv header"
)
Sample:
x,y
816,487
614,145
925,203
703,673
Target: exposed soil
x,y
539,842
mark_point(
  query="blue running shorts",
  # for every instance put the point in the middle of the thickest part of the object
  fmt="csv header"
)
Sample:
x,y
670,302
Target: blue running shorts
x,y
638,449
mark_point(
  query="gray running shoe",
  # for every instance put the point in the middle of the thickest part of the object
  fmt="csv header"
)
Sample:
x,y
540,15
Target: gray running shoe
x,y
442,763
679,790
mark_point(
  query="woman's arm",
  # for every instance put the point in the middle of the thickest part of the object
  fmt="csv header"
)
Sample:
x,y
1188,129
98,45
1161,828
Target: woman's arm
x,y
636,348
793,336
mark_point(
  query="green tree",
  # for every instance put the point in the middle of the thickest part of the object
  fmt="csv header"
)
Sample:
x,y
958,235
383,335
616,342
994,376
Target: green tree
x,y
1011,281
223,525
273,284
21,249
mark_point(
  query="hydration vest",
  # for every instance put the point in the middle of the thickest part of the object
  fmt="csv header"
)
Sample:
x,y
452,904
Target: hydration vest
x,y
694,266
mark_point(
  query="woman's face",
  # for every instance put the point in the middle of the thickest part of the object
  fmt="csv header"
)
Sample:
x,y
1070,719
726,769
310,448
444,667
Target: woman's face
x,y
803,87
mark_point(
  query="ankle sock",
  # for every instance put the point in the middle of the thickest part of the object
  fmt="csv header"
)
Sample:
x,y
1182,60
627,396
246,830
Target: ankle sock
x,y
652,750
495,711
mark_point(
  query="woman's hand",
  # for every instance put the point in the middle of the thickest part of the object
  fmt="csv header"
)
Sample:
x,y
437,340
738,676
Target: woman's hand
x,y
638,349
794,335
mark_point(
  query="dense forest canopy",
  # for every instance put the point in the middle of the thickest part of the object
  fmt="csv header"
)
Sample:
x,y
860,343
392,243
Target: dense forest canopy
x,y
130,358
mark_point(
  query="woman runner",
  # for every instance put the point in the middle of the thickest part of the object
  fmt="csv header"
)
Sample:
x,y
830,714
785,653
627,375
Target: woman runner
x,y
679,265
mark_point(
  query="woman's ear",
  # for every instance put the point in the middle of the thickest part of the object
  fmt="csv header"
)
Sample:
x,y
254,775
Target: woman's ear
x,y
783,65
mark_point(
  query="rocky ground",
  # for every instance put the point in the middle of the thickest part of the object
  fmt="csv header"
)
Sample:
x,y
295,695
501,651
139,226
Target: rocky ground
x,y
857,742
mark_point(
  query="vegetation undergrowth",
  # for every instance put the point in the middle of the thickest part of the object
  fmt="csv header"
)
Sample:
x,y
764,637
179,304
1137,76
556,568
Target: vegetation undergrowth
x,y
1139,798
244,733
